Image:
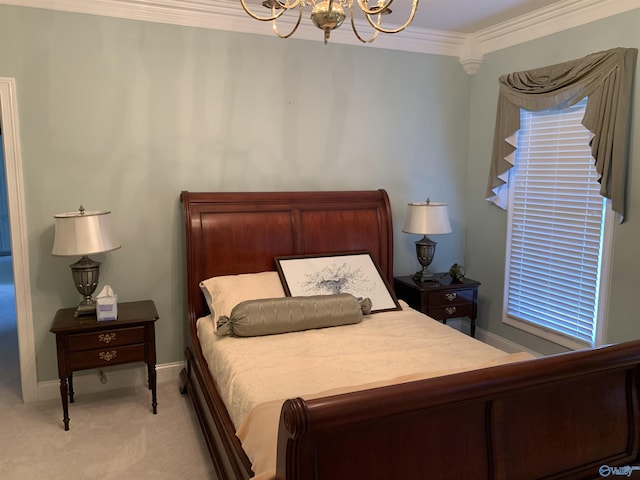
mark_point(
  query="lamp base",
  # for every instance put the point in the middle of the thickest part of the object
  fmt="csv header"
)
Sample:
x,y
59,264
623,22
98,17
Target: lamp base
x,y
424,276
85,309
425,250
85,273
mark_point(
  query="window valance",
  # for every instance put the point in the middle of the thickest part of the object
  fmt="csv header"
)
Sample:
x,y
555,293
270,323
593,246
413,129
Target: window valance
x,y
606,78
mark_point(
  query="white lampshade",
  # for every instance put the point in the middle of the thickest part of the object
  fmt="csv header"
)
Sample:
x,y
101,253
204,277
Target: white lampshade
x,y
83,233
427,218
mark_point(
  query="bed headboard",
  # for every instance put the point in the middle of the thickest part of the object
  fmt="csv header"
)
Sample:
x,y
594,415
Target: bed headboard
x,y
231,233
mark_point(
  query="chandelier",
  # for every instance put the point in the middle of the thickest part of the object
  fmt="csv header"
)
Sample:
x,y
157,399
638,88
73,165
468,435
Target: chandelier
x,y
328,15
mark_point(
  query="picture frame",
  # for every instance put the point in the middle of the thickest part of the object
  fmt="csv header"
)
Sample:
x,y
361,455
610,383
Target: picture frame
x,y
353,272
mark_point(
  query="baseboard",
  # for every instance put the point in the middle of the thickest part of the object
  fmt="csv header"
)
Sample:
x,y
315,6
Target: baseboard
x,y
502,343
491,338
89,381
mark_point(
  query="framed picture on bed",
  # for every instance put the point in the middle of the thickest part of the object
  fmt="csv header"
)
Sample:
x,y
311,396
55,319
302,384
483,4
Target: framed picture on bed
x,y
354,272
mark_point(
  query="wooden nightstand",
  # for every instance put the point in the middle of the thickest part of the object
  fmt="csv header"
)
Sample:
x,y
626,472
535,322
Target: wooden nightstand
x,y
83,343
441,300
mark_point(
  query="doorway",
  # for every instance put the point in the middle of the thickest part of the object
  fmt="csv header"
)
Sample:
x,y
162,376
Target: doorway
x,y
18,239
10,378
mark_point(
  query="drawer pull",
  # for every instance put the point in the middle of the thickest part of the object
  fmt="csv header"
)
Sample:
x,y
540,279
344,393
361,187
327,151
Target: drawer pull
x,y
450,310
108,356
450,296
106,337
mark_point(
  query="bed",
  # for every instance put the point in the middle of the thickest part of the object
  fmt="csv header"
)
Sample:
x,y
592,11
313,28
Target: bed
x,y
573,415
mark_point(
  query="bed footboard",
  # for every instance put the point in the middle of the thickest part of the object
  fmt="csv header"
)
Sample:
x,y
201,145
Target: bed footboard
x,y
565,416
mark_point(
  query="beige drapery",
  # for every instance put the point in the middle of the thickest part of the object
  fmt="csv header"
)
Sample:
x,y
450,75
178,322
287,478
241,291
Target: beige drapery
x,y
607,79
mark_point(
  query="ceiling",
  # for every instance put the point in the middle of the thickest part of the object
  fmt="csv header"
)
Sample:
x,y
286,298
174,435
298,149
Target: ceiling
x,y
461,16
464,16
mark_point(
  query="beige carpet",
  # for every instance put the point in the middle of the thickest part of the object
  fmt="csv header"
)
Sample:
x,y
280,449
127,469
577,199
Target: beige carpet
x,y
111,436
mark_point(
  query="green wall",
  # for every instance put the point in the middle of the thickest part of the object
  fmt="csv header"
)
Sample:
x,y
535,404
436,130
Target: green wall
x,y
123,115
486,225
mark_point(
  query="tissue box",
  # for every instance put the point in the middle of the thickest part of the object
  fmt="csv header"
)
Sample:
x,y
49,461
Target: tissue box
x,y
107,308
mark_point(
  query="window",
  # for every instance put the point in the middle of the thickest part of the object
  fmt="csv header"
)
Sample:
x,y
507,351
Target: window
x,y
557,239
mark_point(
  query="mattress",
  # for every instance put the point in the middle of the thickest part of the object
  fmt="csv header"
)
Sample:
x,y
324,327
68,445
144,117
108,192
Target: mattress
x,y
252,370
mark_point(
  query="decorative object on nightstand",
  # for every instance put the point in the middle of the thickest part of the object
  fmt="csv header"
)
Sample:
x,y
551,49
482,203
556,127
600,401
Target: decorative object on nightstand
x,y
456,272
426,218
442,300
84,233
85,343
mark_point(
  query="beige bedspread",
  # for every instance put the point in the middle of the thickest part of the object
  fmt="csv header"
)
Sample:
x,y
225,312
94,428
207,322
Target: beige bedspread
x,y
259,431
256,374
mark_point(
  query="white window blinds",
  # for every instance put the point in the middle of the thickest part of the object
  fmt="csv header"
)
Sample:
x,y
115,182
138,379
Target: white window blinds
x,y
556,226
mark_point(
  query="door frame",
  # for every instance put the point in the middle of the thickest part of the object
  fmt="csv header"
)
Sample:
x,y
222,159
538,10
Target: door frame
x,y
19,244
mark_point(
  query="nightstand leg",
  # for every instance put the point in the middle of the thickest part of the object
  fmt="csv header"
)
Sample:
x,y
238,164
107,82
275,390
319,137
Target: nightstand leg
x,y
152,386
473,327
64,394
70,387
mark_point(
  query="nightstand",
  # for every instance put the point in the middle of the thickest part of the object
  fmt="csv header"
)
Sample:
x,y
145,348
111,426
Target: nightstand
x,y
441,300
84,342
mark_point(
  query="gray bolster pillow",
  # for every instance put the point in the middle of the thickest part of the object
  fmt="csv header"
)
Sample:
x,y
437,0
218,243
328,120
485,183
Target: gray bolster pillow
x,y
290,314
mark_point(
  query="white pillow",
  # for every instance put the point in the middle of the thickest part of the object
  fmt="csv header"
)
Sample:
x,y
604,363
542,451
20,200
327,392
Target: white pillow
x,y
224,293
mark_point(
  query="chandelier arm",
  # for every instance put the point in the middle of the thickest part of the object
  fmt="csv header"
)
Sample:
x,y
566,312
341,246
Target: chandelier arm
x,y
379,27
376,9
289,6
355,30
277,32
274,15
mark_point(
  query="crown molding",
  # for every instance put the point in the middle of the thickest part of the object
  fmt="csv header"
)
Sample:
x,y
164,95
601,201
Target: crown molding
x,y
469,48
548,20
229,16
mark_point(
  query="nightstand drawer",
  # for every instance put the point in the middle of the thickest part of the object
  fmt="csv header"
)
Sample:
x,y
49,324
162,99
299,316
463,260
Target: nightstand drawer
x,y
105,339
451,297
106,356
451,311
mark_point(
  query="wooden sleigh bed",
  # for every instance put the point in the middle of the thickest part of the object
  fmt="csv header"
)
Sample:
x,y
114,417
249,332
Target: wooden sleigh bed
x,y
564,416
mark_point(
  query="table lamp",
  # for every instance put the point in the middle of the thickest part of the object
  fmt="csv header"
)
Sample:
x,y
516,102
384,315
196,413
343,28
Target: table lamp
x,y
84,233
426,218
